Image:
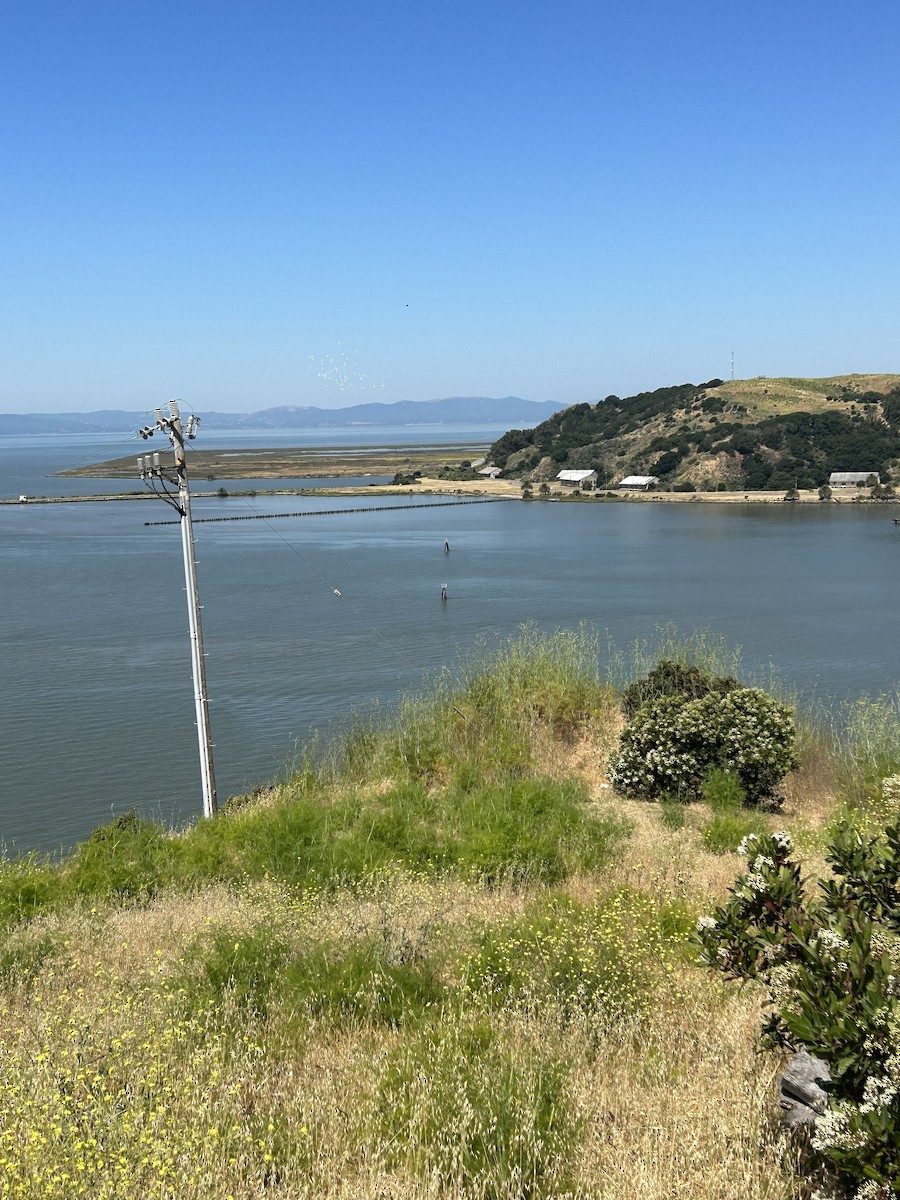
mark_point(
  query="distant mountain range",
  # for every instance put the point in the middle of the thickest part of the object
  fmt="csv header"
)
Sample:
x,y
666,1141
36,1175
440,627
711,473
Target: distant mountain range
x,y
506,411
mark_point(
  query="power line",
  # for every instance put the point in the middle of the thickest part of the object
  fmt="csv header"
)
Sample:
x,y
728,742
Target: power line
x,y
336,512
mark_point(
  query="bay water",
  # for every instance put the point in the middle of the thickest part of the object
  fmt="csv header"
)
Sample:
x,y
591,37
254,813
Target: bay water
x,y
308,619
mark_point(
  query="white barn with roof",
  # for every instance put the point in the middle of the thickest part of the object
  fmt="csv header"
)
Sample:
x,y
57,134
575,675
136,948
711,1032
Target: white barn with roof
x,y
638,483
852,478
576,478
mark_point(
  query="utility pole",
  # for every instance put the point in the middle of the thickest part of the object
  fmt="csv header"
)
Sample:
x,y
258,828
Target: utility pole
x,y
160,480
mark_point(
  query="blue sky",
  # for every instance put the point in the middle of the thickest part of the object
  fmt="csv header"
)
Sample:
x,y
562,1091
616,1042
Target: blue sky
x,y
330,203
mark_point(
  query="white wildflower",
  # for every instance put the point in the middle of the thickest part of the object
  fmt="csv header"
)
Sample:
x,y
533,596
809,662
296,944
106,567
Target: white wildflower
x,y
878,1093
745,846
781,983
706,923
831,1130
756,882
831,942
870,1190
885,942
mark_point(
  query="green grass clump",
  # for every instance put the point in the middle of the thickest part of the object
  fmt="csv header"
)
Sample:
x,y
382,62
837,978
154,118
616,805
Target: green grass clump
x,y
724,833
534,829
479,1116
722,791
359,982
731,822
486,714
128,859
531,829
671,812
259,969
244,964
27,885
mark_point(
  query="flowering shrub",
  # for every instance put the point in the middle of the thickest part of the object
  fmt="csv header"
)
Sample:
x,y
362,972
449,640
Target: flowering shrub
x,y
831,964
671,744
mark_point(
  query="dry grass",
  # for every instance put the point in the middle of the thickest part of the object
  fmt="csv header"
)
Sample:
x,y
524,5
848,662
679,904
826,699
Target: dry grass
x,y
677,1104
118,1081
773,397
683,1109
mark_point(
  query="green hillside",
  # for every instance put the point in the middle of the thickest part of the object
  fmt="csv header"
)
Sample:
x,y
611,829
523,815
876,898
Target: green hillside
x,y
744,434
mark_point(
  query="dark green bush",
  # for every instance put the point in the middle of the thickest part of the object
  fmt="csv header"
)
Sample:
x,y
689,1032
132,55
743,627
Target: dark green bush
x,y
671,678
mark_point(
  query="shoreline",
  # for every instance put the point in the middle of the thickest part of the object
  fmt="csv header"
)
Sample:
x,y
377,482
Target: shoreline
x,y
492,489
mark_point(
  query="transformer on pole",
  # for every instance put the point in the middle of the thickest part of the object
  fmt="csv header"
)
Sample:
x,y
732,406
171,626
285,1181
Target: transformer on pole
x,y
160,479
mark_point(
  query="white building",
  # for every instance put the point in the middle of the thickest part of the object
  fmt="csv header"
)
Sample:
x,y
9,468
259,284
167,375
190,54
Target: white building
x,y
852,478
638,483
576,478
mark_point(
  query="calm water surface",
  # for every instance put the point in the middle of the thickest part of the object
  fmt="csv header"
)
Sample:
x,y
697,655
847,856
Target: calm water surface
x,y
95,689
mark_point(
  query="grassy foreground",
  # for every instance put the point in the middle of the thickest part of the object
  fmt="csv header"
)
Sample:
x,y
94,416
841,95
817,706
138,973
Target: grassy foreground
x,y
440,958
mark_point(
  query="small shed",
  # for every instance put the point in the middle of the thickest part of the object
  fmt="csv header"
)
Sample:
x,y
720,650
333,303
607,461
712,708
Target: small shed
x,y
638,483
576,478
490,472
852,478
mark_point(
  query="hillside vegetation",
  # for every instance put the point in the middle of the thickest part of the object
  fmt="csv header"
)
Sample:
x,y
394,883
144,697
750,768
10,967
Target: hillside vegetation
x,y
440,958
744,434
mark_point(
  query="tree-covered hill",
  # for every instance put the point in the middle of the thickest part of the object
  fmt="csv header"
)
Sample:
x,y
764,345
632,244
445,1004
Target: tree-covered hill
x,y
754,434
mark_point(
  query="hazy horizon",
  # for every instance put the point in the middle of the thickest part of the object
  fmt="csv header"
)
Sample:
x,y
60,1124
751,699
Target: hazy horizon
x,y
262,407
